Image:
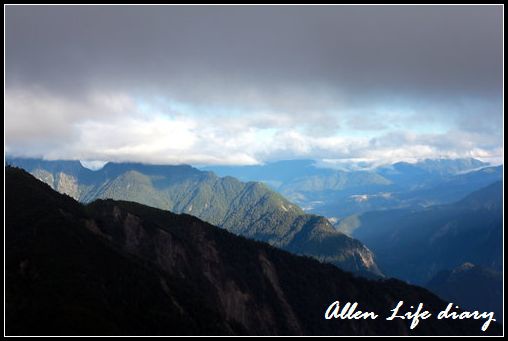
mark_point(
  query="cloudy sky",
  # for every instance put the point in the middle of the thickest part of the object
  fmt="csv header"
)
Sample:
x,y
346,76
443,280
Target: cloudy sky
x,y
250,84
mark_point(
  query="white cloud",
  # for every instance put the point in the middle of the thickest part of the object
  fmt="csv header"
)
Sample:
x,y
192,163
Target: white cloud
x,y
113,126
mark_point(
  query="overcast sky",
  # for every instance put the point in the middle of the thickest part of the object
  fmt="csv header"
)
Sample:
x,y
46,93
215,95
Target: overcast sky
x,y
249,84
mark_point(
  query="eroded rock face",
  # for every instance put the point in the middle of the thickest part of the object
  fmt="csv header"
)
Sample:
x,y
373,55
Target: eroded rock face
x,y
61,182
270,273
367,258
67,184
44,176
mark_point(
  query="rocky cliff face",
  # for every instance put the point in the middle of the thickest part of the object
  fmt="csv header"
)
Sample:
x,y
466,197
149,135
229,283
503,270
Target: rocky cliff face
x,y
121,268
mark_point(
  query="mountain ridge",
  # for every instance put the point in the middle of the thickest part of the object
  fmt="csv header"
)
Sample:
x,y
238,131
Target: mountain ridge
x,y
250,209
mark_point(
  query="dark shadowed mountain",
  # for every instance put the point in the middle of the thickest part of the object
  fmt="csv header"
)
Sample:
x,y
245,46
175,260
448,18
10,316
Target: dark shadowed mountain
x,y
248,209
416,244
121,268
472,287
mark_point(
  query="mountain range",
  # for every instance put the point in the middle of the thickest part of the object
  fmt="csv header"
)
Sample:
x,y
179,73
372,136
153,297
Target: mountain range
x,y
122,268
415,243
249,209
339,193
